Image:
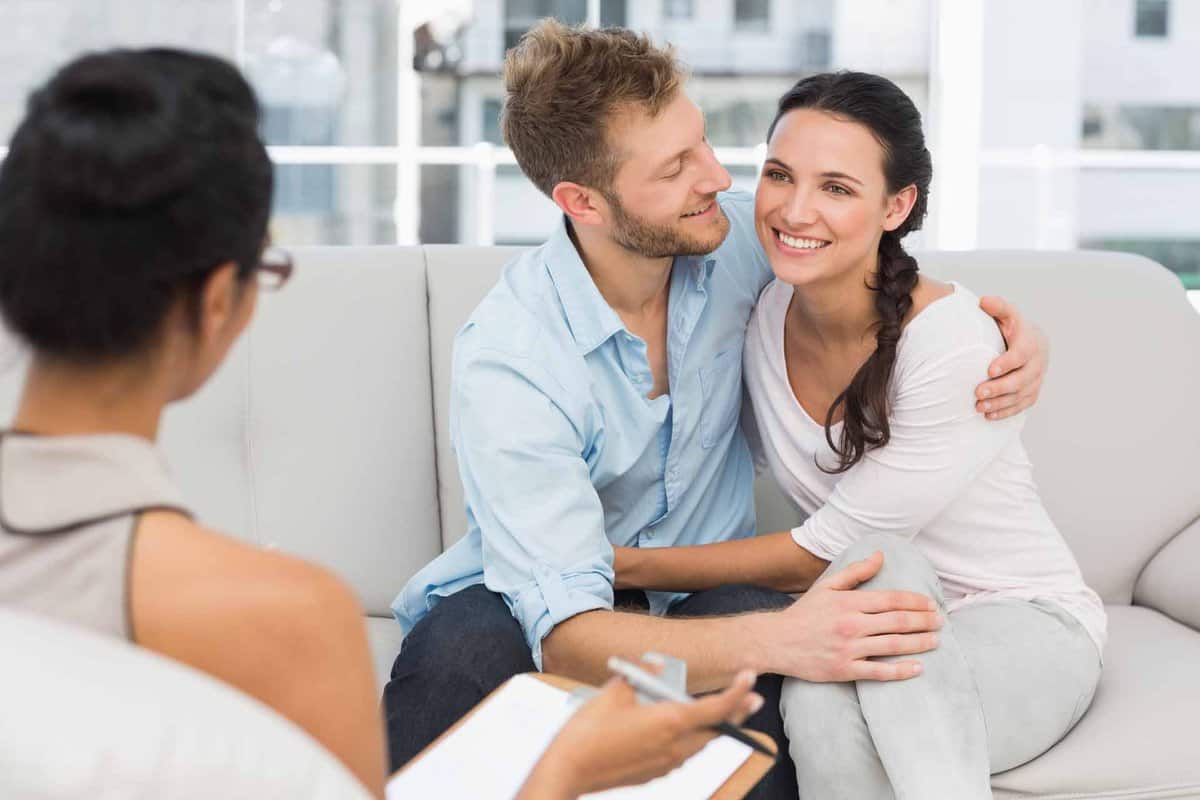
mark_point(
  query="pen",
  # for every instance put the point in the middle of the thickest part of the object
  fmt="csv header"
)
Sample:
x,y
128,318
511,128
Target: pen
x,y
652,686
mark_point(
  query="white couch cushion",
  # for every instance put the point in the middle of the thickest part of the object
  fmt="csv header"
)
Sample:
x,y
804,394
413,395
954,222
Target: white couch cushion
x,y
88,716
316,434
1169,583
1138,740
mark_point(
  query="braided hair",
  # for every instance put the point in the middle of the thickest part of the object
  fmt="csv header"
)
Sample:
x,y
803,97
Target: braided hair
x,y
890,116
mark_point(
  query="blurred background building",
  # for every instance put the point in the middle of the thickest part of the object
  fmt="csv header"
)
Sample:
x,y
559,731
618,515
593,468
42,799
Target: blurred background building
x,y
1063,124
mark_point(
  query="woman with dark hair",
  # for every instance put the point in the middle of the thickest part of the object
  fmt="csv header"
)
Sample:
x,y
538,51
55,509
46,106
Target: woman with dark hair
x,y
133,214
860,374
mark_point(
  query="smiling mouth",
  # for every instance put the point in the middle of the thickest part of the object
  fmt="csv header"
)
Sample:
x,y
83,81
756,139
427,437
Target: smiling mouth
x,y
799,242
700,211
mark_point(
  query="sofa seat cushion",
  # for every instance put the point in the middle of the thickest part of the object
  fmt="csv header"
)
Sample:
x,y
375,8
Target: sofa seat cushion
x,y
384,636
1141,737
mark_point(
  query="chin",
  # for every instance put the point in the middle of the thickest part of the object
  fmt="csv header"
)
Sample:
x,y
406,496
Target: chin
x,y
712,236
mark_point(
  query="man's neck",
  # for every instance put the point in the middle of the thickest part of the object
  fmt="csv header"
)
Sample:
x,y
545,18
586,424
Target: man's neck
x,y
635,286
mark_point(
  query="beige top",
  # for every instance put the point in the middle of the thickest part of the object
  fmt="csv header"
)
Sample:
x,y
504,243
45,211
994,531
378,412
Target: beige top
x,y
69,507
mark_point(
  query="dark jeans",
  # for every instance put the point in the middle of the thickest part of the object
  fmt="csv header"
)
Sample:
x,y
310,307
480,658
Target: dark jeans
x,y
470,643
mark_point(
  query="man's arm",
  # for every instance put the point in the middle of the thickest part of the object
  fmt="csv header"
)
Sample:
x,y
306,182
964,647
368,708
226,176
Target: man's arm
x,y
1017,374
829,634
519,441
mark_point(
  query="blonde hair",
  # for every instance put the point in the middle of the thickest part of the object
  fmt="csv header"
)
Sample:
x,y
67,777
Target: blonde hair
x,y
564,86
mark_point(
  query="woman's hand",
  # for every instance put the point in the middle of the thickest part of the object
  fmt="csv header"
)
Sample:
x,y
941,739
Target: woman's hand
x,y
1017,374
614,741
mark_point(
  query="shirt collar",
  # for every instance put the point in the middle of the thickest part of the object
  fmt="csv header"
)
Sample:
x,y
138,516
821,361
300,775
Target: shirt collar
x,y
591,319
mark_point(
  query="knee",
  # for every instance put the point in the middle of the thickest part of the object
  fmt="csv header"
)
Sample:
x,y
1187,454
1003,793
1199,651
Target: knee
x,y
469,635
904,566
818,710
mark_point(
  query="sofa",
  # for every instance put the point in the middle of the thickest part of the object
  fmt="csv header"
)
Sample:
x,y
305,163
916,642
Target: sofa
x,y
325,435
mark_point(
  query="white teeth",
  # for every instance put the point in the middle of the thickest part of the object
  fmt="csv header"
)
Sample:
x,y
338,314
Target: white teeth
x,y
701,211
800,244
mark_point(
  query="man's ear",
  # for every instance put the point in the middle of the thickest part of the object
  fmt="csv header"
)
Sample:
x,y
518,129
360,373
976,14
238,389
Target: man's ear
x,y
218,300
581,204
899,206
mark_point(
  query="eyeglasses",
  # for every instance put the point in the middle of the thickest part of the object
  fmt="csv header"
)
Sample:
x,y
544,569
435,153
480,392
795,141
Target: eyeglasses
x,y
274,268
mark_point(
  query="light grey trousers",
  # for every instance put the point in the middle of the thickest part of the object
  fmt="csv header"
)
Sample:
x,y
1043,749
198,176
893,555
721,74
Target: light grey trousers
x,y
1008,679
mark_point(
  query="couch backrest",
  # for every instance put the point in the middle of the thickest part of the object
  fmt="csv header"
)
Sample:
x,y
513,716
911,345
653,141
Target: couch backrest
x,y
1115,438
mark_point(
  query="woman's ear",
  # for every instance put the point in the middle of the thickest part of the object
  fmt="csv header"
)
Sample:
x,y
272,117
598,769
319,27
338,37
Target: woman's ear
x,y
899,206
218,300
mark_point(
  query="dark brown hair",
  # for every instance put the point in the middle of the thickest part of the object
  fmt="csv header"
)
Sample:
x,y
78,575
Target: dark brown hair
x,y
886,111
563,87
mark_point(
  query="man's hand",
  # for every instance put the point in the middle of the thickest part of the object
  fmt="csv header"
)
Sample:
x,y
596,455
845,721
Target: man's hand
x,y
832,631
1016,375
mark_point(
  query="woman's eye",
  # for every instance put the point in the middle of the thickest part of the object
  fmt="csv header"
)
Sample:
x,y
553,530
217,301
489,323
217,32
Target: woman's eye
x,y
776,175
836,189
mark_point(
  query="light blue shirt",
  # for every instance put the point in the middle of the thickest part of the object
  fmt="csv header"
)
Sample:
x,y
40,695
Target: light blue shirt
x,y
561,454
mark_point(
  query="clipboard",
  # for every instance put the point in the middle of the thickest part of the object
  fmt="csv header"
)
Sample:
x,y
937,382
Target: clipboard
x,y
737,786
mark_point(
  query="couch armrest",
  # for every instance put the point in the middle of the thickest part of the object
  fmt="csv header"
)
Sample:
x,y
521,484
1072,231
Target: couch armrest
x,y
89,716
1169,582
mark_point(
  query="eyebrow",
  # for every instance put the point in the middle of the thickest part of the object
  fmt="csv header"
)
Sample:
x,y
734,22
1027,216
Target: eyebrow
x,y
834,175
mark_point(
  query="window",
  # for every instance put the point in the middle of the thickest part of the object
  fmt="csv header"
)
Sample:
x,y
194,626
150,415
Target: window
x,y
1142,127
751,15
491,122
1152,18
678,9
818,52
1181,256
521,15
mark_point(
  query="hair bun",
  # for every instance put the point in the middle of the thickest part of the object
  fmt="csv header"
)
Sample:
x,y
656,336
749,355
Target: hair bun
x,y
112,129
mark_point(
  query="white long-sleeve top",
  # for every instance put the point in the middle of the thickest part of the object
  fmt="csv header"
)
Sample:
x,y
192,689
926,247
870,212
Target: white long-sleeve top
x,y
958,485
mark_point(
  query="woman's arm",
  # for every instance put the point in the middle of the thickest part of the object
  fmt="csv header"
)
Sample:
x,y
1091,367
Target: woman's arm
x,y
613,741
772,560
283,631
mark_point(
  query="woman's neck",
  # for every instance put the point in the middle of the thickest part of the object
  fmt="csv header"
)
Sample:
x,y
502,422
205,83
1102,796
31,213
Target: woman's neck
x,y
60,399
837,315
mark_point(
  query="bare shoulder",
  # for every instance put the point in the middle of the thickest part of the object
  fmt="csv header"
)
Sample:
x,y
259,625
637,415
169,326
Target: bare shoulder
x,y
182,570
180,544
926,292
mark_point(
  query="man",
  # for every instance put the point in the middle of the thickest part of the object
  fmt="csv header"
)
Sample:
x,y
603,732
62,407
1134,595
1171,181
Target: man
x,y
595,400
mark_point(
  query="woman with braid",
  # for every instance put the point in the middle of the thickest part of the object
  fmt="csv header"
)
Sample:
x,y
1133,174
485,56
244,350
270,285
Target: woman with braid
x,y
860,374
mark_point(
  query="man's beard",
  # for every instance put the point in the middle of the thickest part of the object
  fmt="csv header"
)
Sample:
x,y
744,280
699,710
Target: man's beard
x,y
662,241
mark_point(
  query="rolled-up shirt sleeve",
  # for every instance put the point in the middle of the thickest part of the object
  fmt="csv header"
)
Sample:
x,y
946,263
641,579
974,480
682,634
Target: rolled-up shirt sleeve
x,y
529,490
939,444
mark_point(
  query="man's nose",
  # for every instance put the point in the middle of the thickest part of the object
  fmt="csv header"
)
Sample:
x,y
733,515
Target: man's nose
x,y
716,177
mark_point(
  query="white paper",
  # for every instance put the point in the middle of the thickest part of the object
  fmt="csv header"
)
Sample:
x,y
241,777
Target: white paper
x,y
489,756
